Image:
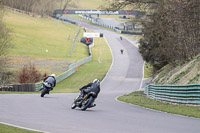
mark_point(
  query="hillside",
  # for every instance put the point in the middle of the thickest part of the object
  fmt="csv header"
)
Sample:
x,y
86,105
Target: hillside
x,y
44,42
84,4
188,73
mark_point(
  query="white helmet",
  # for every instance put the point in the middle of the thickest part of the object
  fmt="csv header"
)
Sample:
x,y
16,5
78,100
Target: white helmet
x,y
96,81
53,75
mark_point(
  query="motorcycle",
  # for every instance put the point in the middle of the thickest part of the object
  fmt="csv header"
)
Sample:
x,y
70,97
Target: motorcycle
x,y
84,102
46,88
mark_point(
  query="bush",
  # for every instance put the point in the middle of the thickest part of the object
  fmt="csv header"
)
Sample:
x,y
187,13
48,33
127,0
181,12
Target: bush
x,y
29,74
5,77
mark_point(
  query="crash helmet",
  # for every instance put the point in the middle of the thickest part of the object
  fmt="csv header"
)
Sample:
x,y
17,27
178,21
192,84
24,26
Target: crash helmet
x,y
53,75
96,81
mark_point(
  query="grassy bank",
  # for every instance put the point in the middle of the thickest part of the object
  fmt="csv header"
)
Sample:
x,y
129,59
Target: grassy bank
x,y
97,68
44,42
138,98
89,4
148,70
33,36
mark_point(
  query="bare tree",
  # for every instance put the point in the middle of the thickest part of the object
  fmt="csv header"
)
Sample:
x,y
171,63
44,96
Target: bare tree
x,y
5,45
41,7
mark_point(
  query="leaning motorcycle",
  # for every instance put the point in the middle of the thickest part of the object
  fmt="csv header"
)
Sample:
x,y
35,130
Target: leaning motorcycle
x,y
84,102
46,87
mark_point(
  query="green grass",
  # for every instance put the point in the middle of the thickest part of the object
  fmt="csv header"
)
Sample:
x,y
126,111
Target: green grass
x,y
90,4
148,70
33,36
89,71
138,98
10,129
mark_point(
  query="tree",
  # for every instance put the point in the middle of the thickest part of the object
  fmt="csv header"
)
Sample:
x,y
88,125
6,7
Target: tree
x,y
5,45
5,39
41,7
171,30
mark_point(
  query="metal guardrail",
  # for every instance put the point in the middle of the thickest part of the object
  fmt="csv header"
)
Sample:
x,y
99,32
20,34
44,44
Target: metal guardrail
x,y
185,94
29,87
92,20
72,69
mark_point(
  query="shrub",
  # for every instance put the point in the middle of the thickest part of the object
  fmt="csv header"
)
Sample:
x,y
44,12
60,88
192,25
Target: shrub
x,y
29,74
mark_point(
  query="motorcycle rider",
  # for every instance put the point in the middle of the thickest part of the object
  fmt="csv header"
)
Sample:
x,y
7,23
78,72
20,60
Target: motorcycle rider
x,y
91,87
52,80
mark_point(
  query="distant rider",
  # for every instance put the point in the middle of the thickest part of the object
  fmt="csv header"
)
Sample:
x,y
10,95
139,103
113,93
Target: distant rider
x,y
91,87
52,80
121,50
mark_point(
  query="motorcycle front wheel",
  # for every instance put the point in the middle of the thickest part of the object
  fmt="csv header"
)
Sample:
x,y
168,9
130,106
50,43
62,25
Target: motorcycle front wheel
x,y
89,102
73,106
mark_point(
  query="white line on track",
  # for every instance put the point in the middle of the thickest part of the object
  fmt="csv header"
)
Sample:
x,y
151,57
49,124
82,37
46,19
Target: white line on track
x,y
112,60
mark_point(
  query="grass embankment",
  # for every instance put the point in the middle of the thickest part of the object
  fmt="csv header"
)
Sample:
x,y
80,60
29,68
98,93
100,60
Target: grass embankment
x,y
32,36
138,98
10,129
89,4
188,73
39,40
148,70
97,68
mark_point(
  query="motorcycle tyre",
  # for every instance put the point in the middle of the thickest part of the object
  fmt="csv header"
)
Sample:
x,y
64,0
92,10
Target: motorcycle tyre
x,y
84,107
44,91
73,106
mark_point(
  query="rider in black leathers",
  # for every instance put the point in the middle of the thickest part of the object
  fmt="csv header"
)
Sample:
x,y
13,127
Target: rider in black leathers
x,y
91,87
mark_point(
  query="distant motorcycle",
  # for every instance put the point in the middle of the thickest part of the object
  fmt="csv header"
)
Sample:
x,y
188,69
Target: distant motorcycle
x,y
46,88
84,102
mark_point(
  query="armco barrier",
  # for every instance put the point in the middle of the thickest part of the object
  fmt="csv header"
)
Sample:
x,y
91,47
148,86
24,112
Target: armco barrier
x,y
72,69
92,20
18,87
185,94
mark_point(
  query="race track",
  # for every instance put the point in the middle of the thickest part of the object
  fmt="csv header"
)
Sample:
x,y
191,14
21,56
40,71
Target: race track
x,y
53,113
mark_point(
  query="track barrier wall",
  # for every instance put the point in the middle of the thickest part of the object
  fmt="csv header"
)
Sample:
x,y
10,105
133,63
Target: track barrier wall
x,y
72,69
184,94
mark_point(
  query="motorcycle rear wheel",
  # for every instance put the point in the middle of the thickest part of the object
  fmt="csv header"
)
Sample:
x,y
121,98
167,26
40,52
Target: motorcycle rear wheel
x,y
44,91
90,100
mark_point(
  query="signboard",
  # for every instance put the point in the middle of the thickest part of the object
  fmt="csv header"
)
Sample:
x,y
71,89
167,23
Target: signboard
x,y
100,12
87,34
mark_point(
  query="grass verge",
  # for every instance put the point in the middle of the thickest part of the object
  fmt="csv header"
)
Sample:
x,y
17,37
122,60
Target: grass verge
x,y
97,68
43,37
138,98
148,70
10,129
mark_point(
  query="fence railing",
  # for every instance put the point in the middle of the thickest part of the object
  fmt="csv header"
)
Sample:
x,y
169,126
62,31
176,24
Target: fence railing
x,y
18,87
72,69
92,20
185,94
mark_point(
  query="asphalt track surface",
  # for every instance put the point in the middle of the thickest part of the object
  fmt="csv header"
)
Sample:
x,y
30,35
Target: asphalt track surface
x,y
53,113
